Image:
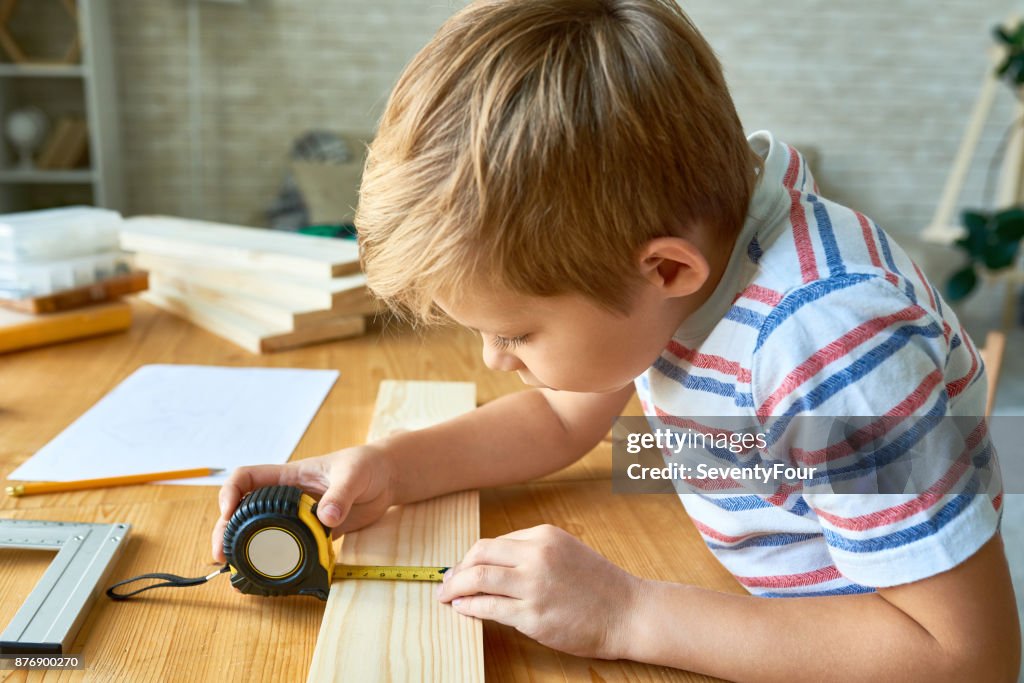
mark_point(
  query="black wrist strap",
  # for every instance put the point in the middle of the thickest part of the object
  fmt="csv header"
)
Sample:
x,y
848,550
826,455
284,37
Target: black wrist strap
x,y
169,581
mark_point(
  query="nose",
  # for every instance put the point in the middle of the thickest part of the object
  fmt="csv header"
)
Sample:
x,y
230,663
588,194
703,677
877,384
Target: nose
x,y
499,360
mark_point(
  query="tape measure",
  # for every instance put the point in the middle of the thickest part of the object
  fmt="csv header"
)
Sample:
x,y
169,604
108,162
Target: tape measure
x,y
275,545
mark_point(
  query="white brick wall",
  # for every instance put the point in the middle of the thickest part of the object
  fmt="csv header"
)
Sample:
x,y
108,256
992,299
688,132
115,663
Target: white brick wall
x,y
882,88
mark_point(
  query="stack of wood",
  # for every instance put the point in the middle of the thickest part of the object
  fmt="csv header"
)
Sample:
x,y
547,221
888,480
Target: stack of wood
x,y
264,290
62,277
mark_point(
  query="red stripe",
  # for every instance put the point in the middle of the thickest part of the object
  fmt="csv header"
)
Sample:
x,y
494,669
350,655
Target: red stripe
x,y
833,351
927,287
912,402
707,361
801,235
792,170
958,385
922,502
762,294
822,575
717,535
869,242
686,423
782,494
997,501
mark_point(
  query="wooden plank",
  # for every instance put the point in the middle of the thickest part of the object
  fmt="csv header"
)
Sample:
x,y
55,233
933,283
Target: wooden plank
x,y
251,334
649,535
24,330
232,245
108,289
398,631
285,315
336,293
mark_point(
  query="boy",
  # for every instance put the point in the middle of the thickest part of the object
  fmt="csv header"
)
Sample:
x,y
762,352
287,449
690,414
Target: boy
x,y
570,179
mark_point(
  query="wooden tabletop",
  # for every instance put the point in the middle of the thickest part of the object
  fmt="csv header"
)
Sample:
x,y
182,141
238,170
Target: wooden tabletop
x,y
214,633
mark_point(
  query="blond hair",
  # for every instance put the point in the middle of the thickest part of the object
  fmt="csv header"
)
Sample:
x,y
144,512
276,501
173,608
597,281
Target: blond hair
x,y
535,145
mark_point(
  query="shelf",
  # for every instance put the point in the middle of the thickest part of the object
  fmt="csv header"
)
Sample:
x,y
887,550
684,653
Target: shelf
x,y
16,175
44,70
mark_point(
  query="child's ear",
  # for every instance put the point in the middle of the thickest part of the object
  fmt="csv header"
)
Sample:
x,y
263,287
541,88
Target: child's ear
x,y
674,265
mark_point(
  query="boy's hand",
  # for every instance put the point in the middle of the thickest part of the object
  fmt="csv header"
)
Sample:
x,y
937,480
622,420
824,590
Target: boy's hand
x,y
354,485
549,586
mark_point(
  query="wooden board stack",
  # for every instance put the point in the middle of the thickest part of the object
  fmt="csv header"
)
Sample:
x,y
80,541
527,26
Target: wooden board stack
x,y
264,290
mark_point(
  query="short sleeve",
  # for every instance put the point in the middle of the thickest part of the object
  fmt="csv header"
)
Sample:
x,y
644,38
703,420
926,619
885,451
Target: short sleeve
x,y
881,401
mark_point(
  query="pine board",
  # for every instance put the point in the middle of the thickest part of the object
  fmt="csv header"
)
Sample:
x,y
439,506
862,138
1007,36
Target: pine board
x,y
107,289
269,250
279,314
24,330
291,290
398,631
251,334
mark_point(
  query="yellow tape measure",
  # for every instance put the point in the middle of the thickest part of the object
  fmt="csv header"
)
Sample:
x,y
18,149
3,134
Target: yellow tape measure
x,y
275,545
388,573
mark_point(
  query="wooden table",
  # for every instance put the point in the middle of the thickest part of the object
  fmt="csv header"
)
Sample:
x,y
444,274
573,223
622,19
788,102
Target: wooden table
x,y
214,633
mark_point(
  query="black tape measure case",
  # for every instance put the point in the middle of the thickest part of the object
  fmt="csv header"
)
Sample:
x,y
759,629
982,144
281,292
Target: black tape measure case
x,y
275,545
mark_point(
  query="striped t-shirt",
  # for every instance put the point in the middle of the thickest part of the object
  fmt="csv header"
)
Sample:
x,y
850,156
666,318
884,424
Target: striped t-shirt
x,y
820,313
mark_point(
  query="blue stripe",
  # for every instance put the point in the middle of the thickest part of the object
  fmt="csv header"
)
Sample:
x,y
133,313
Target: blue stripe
x,y
977,376
851,374
852,589
870,463
887,253
938,299
754,252
700,383
736,503
764,541
801,508
813,291
828,238
745,316
903,537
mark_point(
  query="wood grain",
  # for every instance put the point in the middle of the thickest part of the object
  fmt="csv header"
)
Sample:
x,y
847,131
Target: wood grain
x,y
108,289
336,293
252,334
649,535
398,631
24,330
214,633
280,314
270,250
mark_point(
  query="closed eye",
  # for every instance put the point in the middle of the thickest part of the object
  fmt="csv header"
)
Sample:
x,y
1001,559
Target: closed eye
x,y
506,343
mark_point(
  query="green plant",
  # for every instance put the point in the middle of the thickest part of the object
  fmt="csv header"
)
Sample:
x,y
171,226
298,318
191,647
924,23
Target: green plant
x,y
1012,67
991,241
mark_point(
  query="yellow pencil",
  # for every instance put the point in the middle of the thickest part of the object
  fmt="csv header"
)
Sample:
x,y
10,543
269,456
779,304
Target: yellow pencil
x,y
56,486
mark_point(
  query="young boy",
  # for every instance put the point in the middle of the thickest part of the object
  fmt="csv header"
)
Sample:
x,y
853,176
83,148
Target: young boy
x,y
570,179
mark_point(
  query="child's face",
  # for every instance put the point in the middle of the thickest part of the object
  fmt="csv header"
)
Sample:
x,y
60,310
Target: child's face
x,y
566,342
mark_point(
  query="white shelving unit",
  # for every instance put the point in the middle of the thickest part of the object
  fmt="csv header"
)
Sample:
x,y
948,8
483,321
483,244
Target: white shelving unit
x,y
98,108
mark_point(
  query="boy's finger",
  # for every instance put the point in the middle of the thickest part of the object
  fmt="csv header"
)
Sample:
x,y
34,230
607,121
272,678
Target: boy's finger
x,y
493,607
218,540
245,479
481,578
337,500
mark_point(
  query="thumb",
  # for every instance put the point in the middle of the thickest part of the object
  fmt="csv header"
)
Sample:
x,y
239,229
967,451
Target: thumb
x,y
336,502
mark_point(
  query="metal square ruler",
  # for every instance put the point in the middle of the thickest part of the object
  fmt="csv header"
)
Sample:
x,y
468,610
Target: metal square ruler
x,y
50,618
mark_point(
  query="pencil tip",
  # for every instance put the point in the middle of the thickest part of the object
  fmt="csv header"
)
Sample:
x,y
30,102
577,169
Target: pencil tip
x,y
216,470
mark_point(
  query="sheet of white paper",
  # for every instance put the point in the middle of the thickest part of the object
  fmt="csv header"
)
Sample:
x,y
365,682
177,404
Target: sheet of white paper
x,y
174,417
